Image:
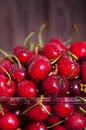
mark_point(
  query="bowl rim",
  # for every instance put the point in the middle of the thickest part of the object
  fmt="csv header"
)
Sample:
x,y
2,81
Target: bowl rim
x,y
48,100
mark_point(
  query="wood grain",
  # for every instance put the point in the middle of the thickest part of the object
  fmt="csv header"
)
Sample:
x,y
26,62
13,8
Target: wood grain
x,y
20,17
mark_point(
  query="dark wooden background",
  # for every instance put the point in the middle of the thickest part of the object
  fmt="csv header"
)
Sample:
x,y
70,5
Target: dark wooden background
x,y
20,17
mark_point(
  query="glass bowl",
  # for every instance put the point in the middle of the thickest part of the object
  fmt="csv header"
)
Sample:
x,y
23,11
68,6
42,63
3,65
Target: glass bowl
x,y
53,113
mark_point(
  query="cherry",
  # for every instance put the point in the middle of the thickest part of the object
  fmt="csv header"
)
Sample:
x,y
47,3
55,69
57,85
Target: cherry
x,y
68,67
54,48
78,48
26,88
17,72
32,58
44,111
39,68
22,53
82,60
55,85
75,87
7,86
36,126
52,119
76,121
5,63
83,72
9,122
63,109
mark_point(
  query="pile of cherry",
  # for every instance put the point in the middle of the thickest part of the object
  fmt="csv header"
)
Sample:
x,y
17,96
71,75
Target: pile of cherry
x,y
51,71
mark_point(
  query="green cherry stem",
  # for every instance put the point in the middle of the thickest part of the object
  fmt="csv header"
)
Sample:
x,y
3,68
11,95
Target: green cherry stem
x,y
51,126
7,55
28,37
73,55
8,82
82,109
81,98
40,34
4,53
29,108
77,31
68,42
1,108
15,57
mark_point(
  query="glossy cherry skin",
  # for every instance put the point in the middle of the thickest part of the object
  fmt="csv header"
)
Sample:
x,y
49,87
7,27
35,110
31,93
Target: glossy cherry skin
x,y
39,68
52,119
38,113
17,73
5,63
75,88
9,122
26,88
36,126
22,53
78,48
7,88
55,85
54,48
83,72
64,108
68,67
76,121
59,127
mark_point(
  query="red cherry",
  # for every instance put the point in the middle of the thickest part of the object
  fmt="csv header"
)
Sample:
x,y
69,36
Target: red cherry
x,y
83,72
7,87
54,48
39,68
5,63
78,48
76,121
55,85
9,122
17,73
22,53
36,126
68,67
63,109
43,110
26,88
52,119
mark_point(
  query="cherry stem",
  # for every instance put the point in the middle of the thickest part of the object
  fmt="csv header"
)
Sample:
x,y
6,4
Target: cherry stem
x,y
31,46
71,54
4,53
68,41
6,74
77,31
13,56
55,60
37,48
7,55
40,34
28,109
82,109
55,124
81,98
1,108
28,37
39,102
83,87
18,129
